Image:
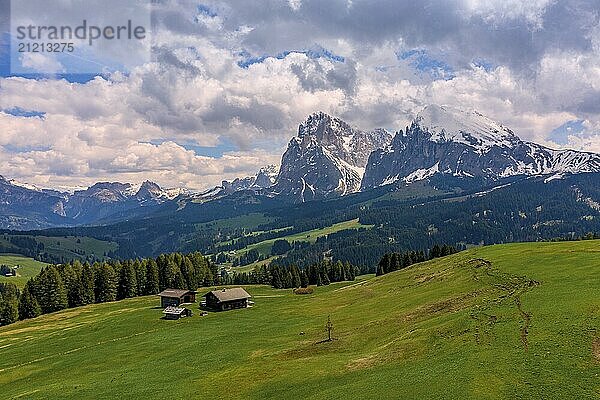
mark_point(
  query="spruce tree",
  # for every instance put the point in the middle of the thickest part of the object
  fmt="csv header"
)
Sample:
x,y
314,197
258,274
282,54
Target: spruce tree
x,y
87,284
105,283
140,276
178,281
384,265
296,281
52,293
161,264
276,280
435,252
324,275
9,304
127,281
189,274
170,275
152,284
303,279
71,275
28,304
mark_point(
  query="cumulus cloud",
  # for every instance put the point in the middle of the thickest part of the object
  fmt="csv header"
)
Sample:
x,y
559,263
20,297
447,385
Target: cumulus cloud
x,y
248,75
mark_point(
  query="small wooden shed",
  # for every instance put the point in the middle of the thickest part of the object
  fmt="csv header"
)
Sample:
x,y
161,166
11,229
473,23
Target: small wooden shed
x,y
176,297
227,299
175,313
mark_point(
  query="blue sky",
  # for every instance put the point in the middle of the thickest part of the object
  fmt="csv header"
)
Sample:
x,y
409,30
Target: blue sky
x,y
561,134
227,85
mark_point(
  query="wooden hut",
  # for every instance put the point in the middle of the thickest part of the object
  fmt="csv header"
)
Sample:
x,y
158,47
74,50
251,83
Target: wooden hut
x,y
176,297
227,299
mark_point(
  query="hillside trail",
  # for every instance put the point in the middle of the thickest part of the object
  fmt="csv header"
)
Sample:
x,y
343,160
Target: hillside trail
x,y
512,287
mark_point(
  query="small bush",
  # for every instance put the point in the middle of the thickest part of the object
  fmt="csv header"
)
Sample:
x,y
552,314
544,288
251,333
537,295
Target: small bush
x,y
306,290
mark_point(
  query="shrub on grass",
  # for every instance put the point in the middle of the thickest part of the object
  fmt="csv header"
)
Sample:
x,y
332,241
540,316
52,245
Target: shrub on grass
x,y
306,290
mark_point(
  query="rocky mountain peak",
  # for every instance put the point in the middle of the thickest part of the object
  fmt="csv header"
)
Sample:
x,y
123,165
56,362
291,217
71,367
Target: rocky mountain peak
x,y
324,127
469,127
460,147
326,158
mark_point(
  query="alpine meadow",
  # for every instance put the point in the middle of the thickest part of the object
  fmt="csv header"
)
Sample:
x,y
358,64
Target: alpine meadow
x,y
281,199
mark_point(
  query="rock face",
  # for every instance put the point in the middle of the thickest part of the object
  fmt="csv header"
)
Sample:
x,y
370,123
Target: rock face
x,y
455,145
326,159
264,179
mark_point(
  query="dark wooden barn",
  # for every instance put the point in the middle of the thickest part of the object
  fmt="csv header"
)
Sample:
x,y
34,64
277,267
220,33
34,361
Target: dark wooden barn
x,y
227,299
176,297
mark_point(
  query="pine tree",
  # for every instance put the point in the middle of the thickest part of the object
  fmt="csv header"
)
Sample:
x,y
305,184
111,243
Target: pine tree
x,y
152,282
276,281
9,304
28,304
127,281
303,279
52,293
140,276
105,283
296,281
87,284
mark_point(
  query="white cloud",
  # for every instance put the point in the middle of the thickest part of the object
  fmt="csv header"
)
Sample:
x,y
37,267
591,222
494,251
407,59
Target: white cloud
x,y
496,11
41,62
137,126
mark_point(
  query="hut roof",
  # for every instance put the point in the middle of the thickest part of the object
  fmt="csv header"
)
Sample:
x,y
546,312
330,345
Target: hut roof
x,y
230,294
175,292
174,310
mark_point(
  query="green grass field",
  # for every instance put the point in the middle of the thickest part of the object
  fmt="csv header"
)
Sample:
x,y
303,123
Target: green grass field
x,y
28,268
248,221
67,247
72,246
509,321
311,236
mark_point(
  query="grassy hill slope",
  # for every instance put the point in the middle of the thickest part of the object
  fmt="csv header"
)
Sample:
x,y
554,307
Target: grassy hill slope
x,y
311,236
510,321
28,268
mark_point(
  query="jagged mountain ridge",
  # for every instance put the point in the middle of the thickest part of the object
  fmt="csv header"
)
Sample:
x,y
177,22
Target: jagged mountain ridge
x,y
326,159
465,145
446,147
259,183
24,206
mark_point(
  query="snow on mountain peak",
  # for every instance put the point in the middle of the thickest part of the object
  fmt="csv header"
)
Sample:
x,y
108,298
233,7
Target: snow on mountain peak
x,y
24,185
448,124
320,123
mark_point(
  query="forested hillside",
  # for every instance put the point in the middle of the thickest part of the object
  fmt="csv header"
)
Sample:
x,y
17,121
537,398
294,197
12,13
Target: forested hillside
x,y
389,219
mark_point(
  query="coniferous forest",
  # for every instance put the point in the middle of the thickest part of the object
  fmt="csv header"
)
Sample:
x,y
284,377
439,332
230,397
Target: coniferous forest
x,y
75,284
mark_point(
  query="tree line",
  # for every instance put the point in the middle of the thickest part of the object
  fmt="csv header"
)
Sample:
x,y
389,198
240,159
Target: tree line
x,y
391,262
292,277
57,287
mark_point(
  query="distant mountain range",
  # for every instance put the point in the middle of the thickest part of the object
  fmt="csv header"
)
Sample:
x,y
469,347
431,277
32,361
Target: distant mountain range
x,y
27,207
465,147
444,148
